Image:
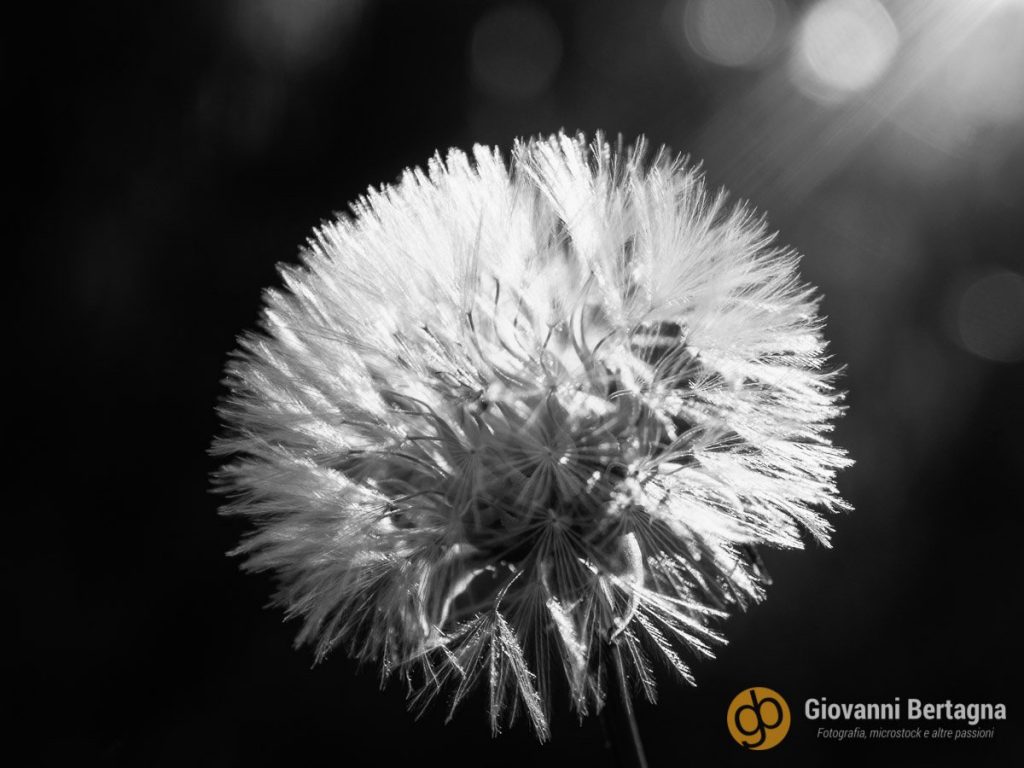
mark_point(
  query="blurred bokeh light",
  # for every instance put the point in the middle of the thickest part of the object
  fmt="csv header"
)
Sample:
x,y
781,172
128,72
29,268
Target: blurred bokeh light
x,y
843,46
515,51
990,317
732,33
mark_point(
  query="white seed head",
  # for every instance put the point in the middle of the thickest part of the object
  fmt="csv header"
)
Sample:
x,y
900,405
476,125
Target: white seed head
x,y
507,417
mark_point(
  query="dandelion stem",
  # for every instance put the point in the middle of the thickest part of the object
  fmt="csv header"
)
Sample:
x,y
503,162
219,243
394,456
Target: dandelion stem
x,y
619,719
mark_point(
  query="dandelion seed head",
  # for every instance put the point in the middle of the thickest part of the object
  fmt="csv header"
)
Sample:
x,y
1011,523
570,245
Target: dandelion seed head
x,y
506,416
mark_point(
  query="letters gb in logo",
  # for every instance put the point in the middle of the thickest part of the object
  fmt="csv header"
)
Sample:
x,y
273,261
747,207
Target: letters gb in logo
x,y
758,718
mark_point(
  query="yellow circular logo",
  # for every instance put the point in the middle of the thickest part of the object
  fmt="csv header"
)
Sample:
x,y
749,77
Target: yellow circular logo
x,y
758,718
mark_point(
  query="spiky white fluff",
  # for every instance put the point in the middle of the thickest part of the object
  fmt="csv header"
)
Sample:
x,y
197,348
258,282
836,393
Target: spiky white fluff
x,y
513,419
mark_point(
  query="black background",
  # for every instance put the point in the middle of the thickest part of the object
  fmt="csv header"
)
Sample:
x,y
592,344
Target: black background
x,y
169,155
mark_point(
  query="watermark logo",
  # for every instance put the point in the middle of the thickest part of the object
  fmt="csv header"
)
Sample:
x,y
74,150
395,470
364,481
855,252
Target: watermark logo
x,y
758,718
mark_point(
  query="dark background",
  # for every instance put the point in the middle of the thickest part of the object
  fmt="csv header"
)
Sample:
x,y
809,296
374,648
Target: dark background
x,y
169,155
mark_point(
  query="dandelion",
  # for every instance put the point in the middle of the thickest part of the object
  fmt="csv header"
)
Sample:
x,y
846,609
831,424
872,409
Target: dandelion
x,y
508,421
